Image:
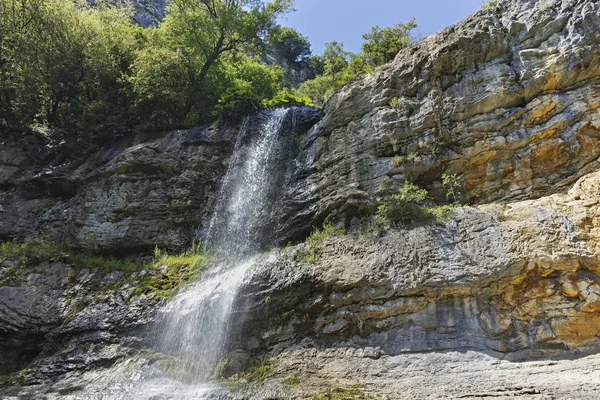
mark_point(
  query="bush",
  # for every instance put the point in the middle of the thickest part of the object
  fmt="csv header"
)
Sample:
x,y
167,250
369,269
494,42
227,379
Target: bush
x,y
410,204
405,206
287,98
251,86
318,89
454,185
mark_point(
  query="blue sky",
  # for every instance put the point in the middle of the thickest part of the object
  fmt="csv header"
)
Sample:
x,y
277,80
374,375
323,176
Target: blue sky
x,y
346,20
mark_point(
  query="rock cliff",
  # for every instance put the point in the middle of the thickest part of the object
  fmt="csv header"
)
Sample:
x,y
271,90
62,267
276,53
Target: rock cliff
x,y
500,299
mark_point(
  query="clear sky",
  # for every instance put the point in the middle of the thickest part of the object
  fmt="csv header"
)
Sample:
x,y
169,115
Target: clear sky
x,y
346,20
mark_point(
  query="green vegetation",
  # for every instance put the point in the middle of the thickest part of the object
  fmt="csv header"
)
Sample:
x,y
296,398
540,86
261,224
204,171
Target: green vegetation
x,y
410,203
316,238
406,205
349,393
382,45
164,273
27,256
257,373
340,66
410,158
292,45
454,184
87,73
291,380
170,272
82,75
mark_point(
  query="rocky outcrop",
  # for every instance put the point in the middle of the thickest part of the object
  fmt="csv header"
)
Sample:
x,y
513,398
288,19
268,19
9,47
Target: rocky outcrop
x,y
137,194
69,320
146,12
512,282
509,98
132,196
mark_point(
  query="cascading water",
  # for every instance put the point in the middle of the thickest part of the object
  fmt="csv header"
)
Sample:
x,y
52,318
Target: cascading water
x,y
196,322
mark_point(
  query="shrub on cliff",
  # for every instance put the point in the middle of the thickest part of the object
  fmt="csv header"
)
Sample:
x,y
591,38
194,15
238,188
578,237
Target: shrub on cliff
x,y
411,204
406,205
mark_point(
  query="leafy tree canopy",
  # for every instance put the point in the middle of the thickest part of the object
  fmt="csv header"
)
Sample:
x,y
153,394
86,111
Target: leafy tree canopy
x,y
290,44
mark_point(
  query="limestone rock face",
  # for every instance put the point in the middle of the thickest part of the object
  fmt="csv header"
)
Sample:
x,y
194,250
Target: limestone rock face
x,y
514,282
70,319
132,196
146,12
140,193
509,98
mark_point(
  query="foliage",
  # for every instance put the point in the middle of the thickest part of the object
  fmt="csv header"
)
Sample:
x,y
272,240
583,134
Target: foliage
x,y
165,273
410,204
288,97
291,380
335,59
340,67
405,206
318,89
27,256
61,65
251,82
316,238
410,158
257,373
169,272
453,183
88,73
382,45
290,44
197,59
317,65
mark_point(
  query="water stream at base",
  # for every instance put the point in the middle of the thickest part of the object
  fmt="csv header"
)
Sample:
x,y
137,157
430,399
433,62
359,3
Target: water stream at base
x,y
195,326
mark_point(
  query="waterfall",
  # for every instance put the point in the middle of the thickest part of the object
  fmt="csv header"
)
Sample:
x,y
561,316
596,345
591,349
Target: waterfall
x,y
197,321
241,211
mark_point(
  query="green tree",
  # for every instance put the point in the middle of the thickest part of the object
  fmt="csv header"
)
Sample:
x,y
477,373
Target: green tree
x,y
200,32
61,62
251,83
317,89
382,45
335,59
292,45
317,64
